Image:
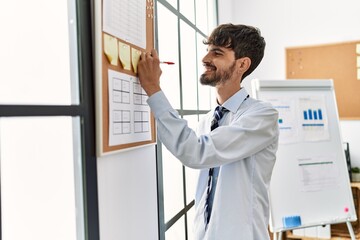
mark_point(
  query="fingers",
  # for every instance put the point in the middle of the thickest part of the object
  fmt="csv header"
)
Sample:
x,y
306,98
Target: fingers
x,y
148,55
142,56
154,53
148,60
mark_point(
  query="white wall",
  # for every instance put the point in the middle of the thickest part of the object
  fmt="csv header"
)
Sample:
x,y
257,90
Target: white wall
x,y
298,23
128,195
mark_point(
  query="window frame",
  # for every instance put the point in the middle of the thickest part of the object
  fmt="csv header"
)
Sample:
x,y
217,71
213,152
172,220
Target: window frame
x,y
163,225
85,110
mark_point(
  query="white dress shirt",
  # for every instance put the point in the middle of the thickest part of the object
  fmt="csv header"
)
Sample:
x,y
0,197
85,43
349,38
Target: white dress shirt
x,y
244,146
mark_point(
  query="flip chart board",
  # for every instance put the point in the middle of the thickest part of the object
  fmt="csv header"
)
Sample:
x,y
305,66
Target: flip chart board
x,y
310,183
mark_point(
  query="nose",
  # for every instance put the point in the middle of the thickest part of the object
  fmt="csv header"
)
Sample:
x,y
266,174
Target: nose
x,y
206,58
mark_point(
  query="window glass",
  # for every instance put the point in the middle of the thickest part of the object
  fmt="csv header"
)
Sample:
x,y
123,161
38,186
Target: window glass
x,y
177,231
211,15
205,92
187,9
191,175
173,184
190,223
188,66
38,52
169,51
180,38
41,188
201,15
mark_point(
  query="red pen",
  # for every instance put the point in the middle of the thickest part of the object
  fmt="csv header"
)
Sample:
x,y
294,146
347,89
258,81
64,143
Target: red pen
x,y
169,63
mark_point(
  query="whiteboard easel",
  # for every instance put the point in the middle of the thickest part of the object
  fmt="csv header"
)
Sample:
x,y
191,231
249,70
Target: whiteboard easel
x,y
310,177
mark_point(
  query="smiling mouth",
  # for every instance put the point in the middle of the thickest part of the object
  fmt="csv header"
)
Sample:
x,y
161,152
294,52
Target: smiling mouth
x,y
209,67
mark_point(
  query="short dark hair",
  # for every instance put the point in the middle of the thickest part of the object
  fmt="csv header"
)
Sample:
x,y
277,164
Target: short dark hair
x,y
246,41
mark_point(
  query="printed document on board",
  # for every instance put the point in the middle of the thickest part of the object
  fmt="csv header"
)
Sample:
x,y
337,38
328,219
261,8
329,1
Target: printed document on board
x,y
318,173
129,114
301,119
126,19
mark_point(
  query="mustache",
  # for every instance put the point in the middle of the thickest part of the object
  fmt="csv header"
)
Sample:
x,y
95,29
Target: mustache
x,y
209,65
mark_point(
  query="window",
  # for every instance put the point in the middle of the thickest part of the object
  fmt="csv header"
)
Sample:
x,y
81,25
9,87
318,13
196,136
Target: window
x,y
40,178
36,55
181,28
47,141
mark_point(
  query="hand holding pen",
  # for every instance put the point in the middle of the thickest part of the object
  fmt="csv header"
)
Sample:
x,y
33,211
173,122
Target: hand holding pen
x,y
149,72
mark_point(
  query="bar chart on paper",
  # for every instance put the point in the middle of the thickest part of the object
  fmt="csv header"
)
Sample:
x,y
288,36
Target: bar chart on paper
x,y
313,114
313,117
301,119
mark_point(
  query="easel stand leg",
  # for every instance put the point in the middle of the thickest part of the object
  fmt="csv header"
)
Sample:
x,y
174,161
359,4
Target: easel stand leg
x,y
274,236
351,231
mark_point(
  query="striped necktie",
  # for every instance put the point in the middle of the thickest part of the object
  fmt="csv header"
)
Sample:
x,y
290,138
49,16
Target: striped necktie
x,y
213,172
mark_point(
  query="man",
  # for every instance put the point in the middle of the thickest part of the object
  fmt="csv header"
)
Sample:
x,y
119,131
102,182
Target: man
x,y
235,157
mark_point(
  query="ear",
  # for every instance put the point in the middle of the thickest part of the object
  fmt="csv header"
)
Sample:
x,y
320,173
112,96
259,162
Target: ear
x,y
243,64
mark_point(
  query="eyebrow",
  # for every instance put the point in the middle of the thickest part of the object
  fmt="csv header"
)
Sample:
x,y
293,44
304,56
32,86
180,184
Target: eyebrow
x,y
217,49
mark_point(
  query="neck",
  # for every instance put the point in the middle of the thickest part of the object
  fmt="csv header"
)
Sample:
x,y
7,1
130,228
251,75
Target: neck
x,y
225,91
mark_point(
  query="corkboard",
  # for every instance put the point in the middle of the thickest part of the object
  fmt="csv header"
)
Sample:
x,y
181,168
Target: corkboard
x,y
330,61
103,97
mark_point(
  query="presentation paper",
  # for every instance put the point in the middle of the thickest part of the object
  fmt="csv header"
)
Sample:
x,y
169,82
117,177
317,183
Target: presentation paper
x,y
129,114
126,20
301,119
318,173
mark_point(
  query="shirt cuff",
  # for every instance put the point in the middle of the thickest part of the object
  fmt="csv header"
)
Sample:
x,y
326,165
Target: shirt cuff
x,y
159,104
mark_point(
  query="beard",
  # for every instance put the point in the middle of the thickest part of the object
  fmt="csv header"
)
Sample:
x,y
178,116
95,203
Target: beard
x,y
217,77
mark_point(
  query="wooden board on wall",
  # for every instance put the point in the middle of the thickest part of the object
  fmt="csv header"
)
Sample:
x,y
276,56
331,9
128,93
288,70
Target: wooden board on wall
x,y
103,65
339,62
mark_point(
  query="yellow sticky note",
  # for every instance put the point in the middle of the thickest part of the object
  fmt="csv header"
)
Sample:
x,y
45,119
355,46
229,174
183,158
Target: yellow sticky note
x,y
135,57
358,73
110,49
124,55
358,61
358,48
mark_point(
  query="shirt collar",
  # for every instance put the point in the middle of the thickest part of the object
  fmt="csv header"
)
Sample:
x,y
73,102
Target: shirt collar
x,y
234,102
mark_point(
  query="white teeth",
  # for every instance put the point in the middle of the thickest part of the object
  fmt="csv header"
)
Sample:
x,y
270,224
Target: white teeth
x,y
209,68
